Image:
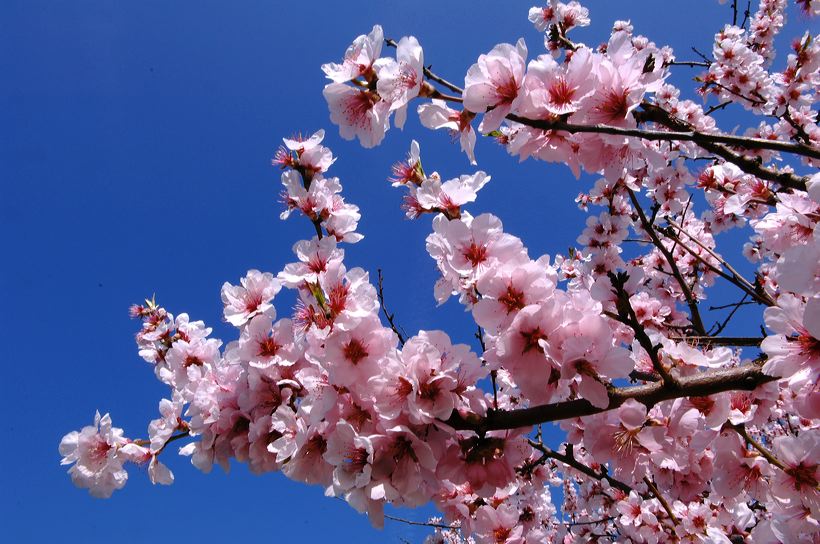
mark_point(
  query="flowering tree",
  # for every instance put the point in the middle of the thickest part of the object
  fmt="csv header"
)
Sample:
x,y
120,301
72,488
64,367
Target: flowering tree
x,y
674,431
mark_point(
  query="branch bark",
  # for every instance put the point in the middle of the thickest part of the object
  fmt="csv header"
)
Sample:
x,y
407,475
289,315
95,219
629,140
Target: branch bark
x,y
745,378
679,131
713,143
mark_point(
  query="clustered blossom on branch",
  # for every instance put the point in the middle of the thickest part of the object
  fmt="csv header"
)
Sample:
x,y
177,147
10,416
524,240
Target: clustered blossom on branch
x,y
674,432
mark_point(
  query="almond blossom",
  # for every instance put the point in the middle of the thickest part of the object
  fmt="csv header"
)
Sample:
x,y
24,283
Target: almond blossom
x,y
677,428
494,81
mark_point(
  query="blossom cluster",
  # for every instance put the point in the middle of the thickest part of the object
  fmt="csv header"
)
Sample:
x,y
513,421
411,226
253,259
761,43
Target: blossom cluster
x,y
674,432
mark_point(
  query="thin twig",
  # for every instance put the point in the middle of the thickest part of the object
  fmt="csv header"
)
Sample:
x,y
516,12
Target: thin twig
x,y
590,522
701,55
695,318
570,460
387,314
421,523
429,74
741,430
661,499
720,106
690,63
767,299
724,306
736,305
708,341
751,166
746,14
731,279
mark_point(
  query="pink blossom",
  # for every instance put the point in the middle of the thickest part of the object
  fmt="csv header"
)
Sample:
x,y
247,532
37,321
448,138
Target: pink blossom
x,y
486,463
436,114
498,525
264,344
353,356
358,58
95,455
558,90
507,290
448,197
352,455
251,297
359,113
521,350
798,482
400,80
494,81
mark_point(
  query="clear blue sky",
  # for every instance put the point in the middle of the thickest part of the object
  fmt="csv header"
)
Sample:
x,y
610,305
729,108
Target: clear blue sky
x,y
135,146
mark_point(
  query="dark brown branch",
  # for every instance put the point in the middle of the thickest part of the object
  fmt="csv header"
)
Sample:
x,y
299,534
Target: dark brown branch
x,y
570,460
735,278
557,33
735,307
681,131
708,141
741,430
701,55
746,13
589,522
710,382
695,318
660,498
720,106
690,63
636,375
626,315
421,523
709,341
428,73
387,314
732,305
713,143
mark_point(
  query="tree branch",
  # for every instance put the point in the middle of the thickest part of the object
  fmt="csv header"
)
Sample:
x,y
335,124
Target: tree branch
x,y
695,318
421,523
661,499
428,73
387,314
708,341
710,382
681,131
741,430
712,143
570,460
735,278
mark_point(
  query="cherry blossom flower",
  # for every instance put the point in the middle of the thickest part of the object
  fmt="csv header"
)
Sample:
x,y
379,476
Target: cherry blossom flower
x,y
359,113
400,80
251,297
436,114
494,81
358,58
95,456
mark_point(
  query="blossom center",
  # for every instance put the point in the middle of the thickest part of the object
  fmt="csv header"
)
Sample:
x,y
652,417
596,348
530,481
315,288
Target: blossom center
x,y
268,347
476,254
354,351
803,475
512,299
560,92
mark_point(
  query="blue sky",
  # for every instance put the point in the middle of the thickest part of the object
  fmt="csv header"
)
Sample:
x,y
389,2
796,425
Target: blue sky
x,y
135,147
